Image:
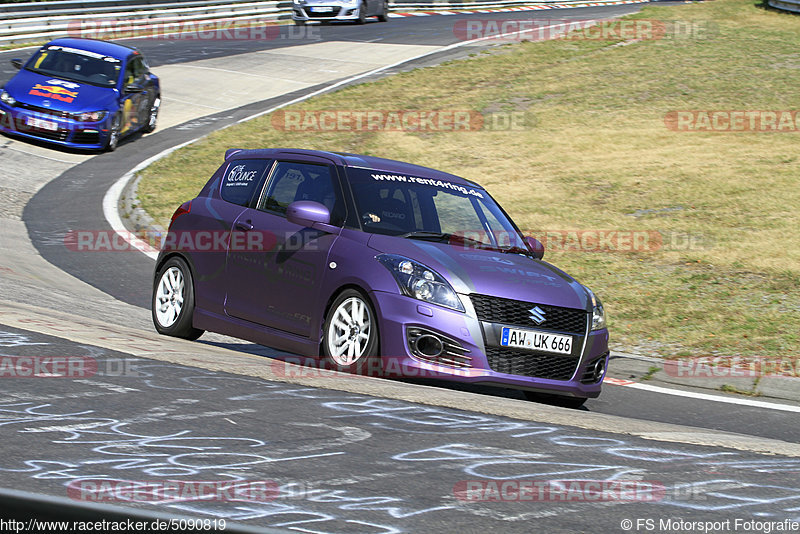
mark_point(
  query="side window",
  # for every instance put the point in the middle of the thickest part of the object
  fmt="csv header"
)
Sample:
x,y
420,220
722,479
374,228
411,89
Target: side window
x,y
242,179
129,78
302,181
135,70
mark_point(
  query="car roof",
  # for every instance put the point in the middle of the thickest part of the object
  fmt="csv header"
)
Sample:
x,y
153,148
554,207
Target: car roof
x,y
94,45
351,160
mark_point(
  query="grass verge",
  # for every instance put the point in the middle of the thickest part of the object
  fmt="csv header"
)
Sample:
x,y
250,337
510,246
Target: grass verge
x,y
600,157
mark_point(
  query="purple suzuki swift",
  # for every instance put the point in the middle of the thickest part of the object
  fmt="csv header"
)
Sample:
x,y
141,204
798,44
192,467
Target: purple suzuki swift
x,y
363,262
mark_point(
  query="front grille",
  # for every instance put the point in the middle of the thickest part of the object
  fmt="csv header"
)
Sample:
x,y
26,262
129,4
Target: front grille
x,y
86,138
329,15
57,135
43,111
533,364
517,312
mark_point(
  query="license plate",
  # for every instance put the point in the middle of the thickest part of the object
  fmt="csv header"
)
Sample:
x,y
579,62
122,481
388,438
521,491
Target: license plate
x,y
321,9
39,123
533,340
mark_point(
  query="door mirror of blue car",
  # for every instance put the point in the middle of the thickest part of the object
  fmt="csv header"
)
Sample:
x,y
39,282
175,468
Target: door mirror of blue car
x,y
536,247
308,213
17,63
133,88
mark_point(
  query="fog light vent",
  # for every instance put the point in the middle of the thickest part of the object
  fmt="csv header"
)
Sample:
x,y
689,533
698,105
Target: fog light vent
x,y
435,348
595,370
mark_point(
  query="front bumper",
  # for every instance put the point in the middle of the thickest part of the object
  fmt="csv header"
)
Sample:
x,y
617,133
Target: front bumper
x,y
572,375
61,130
327,12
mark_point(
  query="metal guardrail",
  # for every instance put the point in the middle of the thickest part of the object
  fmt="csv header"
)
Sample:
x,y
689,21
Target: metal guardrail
x,y
786,5
70,22
42,21
36,9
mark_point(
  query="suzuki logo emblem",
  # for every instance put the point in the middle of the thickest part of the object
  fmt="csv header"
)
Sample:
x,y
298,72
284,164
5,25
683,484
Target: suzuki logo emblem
x,y
537,315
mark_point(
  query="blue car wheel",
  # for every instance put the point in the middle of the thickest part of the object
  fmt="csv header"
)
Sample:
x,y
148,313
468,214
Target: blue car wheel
x,y
113,133
152,116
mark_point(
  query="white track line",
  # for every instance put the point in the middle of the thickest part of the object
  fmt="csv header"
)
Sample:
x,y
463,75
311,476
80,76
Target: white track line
x,y
111,203
702,396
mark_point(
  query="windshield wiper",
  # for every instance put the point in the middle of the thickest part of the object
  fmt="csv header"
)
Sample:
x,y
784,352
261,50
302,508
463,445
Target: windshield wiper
x,y
514,250
427,235
453,239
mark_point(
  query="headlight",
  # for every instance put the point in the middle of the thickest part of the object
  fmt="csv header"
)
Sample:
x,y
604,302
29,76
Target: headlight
x,y
598,313
420,282
7,98
89,116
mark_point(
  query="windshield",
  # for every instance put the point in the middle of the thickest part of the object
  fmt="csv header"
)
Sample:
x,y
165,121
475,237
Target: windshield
x,y
427,208
76,65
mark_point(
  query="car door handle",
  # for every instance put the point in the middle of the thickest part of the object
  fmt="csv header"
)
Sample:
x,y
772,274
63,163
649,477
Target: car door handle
x,y
244,226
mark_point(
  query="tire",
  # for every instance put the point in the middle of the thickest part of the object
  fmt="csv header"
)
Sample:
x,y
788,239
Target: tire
x,y
558,400
362,13
152,116
384,16
113,133
357,348
172,304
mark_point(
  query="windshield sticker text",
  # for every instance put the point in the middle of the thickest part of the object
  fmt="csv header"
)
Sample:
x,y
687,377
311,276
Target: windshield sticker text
x,y
427,181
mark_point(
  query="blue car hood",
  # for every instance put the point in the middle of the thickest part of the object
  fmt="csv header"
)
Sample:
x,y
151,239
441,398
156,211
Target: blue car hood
x,y
36,89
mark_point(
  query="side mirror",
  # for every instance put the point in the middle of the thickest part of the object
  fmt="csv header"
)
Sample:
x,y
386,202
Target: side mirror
x,y
133,88
536,247
307,213
17,63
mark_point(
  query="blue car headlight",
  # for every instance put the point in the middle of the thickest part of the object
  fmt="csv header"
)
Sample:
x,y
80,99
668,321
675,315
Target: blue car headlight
x,y
89,116
598,312
7,98
420,281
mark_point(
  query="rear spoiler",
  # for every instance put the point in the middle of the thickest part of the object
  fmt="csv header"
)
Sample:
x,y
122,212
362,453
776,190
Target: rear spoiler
x,y
231,151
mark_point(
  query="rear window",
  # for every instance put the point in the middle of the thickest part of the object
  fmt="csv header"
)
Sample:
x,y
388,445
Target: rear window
x,y
243,179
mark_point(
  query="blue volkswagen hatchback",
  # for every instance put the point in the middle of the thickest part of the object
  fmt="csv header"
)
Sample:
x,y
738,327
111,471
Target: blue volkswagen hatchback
x,y
81,93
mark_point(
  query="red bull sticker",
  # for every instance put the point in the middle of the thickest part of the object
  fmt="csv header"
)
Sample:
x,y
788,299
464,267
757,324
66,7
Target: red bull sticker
x,y
53,91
